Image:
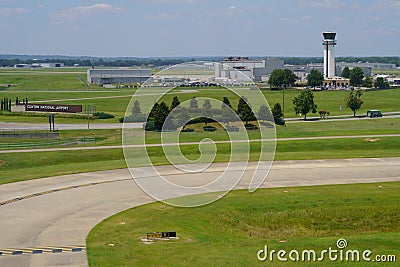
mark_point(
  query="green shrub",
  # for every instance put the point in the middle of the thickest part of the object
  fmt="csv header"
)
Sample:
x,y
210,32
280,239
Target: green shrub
x,y
140,117
280,121
149,126
209,128
102,115
250,126
187,130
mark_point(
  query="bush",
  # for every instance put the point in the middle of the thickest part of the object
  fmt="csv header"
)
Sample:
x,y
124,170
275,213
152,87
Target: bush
x,y
102,115
187,130
140,117
209,128
200,120
323,113
250,126
279,121
149,126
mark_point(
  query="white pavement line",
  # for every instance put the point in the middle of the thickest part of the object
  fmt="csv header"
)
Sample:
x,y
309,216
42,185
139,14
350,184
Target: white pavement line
x,y
41,250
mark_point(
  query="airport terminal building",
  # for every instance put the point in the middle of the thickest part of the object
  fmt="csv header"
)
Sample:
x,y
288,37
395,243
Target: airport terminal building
x,y
118,76
256,70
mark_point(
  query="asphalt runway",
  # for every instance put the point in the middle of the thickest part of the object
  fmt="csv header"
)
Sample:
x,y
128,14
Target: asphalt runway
x,y
52,214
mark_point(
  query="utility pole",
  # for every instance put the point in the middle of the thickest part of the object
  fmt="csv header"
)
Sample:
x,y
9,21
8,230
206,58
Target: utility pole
x,y
283,102
88,117
90,110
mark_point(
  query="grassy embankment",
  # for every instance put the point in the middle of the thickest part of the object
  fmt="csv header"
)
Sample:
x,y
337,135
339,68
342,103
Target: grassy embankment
x,y
24,166
232,230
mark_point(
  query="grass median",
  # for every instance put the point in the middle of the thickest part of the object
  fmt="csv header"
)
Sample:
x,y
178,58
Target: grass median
x,y
231,231
25,166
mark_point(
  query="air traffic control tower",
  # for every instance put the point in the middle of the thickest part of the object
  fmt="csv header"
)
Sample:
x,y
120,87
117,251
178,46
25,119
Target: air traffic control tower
x,y
329,43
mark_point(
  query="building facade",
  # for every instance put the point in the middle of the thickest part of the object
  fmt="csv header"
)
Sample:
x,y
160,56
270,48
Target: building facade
x,y
118,76
242,69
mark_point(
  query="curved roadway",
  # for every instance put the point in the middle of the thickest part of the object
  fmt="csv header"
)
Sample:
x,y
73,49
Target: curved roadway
x,y
60,211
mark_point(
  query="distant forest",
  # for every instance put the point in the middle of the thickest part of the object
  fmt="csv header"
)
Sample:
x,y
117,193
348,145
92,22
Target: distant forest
x,y
11,60
308,60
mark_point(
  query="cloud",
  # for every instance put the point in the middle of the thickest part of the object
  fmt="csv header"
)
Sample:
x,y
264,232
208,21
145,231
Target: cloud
x,y
331,4
6,11
367,19
162,16
289,20
387,4
224,12
79,12
388,31
171,1
339,20
295,20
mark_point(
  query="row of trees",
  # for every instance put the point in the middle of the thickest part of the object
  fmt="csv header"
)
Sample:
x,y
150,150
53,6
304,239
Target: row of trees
x,y
282,78
159,115
356,75
159,118
309,60
108,62
11,60
5,104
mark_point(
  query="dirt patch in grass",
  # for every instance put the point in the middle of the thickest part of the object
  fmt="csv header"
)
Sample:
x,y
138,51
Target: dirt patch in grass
x,y
372,140
2,162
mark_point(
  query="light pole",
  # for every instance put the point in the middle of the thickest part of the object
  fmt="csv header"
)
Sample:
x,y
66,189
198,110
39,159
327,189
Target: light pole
x,y
88,117
283,102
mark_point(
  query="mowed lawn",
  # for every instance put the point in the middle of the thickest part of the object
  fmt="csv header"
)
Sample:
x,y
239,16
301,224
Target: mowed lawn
x,y
115,101
231,231
25,166
385,100
43,81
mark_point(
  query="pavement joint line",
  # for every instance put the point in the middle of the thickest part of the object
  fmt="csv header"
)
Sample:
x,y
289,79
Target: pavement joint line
x,y
41,250
13,200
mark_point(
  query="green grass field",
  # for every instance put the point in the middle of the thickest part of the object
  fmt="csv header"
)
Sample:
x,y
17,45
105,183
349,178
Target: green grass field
x,y
115,101
25,166
232,230
385,100
370,127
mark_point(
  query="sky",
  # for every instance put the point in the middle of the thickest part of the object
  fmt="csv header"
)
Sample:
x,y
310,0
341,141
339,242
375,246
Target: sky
x,y
184,28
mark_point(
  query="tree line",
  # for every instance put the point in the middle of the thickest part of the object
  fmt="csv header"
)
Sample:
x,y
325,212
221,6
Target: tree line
x,y
7,61
304,103
286,78
108,62
309,60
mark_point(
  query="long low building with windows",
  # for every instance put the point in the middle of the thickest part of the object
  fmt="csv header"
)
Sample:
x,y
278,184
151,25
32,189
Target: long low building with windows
x,y
118,76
